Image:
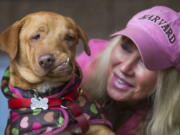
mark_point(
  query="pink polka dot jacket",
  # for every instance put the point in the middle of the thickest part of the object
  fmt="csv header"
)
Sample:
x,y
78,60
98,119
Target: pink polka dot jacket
x,y
34,120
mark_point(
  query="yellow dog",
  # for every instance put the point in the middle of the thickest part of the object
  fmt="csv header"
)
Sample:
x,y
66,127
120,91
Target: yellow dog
x,y
41,47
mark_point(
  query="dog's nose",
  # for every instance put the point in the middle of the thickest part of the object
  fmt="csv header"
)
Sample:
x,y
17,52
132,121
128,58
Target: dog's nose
x,y
46,61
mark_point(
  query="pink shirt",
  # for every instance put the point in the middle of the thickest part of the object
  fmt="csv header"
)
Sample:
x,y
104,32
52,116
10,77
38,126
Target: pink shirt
x,y
96,47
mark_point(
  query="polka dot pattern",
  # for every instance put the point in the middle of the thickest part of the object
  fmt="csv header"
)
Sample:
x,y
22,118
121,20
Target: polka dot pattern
x,y
38,121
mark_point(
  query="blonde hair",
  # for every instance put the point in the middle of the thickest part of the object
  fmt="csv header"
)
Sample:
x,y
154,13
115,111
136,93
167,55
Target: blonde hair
x,y
96,81
166,110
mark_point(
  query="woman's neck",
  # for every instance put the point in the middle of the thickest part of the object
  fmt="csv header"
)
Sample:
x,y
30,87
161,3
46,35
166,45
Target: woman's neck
x,y
120,112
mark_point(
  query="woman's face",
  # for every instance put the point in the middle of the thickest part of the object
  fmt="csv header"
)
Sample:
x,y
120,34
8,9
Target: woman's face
x,y
129,80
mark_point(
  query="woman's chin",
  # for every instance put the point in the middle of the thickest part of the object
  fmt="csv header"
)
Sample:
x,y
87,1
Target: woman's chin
x,y
118,95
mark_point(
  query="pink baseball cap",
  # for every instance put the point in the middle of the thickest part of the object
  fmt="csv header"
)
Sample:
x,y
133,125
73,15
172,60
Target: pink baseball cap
x,y
156,33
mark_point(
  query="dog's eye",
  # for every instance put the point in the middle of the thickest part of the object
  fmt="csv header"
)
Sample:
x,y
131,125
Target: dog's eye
x,y
36,37
69,38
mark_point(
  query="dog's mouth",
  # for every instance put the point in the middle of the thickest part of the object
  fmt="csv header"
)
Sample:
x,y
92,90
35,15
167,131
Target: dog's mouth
x,y
57,69
61,69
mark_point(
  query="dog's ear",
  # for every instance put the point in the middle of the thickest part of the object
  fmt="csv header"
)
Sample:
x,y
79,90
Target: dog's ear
x,y
9,39
82,34
84,37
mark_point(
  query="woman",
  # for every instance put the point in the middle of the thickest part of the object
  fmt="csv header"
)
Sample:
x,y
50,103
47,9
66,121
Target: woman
x,y
139,61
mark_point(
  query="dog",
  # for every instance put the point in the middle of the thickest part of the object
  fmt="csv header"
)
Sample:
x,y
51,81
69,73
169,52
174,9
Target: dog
x,y
42,80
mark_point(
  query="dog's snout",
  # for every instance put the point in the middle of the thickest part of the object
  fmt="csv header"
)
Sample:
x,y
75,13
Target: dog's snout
x,y
46,61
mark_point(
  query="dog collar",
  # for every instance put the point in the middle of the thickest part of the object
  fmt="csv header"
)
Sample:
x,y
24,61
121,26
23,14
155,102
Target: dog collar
x,y
43,103
20,99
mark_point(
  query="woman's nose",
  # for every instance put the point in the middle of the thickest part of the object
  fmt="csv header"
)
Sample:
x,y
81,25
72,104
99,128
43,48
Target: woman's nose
x,y
128,65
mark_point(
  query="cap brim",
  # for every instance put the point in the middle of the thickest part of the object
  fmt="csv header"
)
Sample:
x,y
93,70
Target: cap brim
x,y
152,55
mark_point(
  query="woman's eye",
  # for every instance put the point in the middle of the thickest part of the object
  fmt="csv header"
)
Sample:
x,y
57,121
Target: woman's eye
x,y
69,38
36,37
126,47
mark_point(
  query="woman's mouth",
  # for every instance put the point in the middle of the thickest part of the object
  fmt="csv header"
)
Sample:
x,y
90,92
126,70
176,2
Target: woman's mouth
x,y
121,83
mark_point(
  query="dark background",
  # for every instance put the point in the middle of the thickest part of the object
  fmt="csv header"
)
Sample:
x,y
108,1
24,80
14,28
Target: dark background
x,y
99,18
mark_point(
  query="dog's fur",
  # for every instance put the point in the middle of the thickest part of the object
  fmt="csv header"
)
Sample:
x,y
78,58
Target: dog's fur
x,y
41,47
